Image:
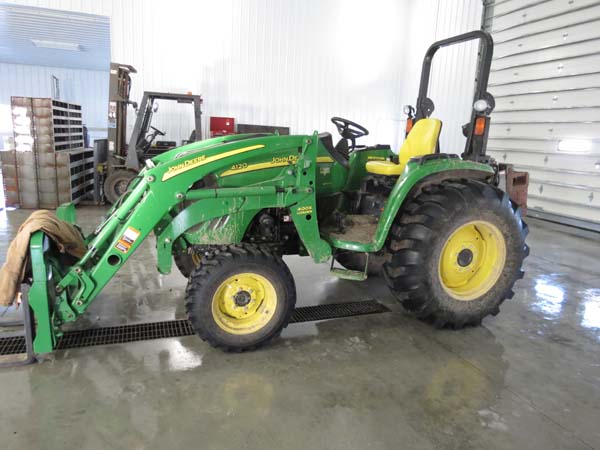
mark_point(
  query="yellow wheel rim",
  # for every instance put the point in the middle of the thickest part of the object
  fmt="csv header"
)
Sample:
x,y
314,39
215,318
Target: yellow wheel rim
x,y
472,260
244,303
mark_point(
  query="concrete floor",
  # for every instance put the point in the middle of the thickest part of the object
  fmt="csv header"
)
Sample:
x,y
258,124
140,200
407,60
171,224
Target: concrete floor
x,y
529,378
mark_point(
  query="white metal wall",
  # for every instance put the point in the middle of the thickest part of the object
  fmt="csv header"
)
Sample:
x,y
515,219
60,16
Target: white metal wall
x,y
89,88
546,80
453,70
292,63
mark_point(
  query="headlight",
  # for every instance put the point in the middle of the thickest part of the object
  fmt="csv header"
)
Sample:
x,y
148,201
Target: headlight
x,y
481,105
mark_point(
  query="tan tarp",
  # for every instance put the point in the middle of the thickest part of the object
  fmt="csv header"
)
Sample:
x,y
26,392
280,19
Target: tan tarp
x,y
68,239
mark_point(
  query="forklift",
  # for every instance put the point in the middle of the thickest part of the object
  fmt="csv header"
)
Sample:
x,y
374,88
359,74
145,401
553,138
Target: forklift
x,y
123,161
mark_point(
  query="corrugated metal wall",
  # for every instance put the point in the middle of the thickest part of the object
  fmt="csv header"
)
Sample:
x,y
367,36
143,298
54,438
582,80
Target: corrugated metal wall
x,y
89,88
26,32
291,63
546,79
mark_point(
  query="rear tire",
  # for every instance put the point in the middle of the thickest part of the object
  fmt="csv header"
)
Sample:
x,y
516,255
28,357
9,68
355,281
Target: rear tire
x,y
457,251
240,298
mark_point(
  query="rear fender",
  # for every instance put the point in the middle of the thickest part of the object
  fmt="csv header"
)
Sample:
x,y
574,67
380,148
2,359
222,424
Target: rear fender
x,y
417,174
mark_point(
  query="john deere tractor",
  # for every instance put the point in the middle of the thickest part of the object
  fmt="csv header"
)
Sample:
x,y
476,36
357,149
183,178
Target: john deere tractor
x,y
448,242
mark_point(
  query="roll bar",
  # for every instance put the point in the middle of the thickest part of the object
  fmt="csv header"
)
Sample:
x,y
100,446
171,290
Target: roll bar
x,y
424,104
476,141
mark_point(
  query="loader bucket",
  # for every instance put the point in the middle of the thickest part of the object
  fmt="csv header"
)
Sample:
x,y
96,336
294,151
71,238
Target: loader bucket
x,y
46,272
66,212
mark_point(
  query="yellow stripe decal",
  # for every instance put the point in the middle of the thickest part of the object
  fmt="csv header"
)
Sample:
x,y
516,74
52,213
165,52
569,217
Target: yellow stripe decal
x,y
253,167
243,168
324,159
190,164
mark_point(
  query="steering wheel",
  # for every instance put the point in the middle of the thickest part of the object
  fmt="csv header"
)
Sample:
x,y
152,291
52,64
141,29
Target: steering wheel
x,y
161,133
349,130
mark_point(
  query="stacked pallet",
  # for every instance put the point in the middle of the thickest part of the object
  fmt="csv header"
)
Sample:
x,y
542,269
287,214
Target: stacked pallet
x,y
49,164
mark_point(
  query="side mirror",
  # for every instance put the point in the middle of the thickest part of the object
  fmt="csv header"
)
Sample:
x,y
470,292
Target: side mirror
x,y
154,107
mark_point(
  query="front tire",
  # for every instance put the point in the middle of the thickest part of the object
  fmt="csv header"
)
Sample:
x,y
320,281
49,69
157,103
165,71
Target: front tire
x,y
187,261
240,298
457,250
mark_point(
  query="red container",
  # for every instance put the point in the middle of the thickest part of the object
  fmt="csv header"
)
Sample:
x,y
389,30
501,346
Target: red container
x,y
222,126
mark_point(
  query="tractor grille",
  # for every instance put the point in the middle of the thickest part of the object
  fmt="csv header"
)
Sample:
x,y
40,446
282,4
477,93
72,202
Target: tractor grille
x,y
176,328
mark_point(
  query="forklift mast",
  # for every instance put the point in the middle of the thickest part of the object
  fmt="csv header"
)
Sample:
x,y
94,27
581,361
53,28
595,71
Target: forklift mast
x,y
119,90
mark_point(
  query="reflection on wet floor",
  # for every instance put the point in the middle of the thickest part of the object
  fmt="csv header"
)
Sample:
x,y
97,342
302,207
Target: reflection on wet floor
x,y
590,316
557,301
550,297
528,378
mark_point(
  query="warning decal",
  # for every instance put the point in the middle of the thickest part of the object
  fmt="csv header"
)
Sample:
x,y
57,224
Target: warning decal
x,y
127,240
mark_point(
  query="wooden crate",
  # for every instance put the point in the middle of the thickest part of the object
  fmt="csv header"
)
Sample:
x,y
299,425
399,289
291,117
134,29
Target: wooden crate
x,y
49,165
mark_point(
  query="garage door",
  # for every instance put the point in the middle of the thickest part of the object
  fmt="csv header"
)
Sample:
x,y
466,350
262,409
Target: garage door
x,y
546,80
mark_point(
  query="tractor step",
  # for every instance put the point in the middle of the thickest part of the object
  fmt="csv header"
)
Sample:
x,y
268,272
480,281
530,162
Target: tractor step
x,y
346,274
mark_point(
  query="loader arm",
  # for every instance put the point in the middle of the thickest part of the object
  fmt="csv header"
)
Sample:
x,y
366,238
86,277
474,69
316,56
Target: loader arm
x,y
163,200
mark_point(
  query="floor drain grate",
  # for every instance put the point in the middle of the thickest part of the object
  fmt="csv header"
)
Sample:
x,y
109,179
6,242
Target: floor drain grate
x,y
12,345
176,328
337,310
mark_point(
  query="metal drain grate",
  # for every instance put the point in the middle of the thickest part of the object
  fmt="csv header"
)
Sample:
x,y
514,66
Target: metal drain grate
x,y
12,345
176,328
125,333
337,310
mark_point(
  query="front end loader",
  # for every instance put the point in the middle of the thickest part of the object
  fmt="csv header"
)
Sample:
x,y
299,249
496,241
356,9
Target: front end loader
x,y
447,241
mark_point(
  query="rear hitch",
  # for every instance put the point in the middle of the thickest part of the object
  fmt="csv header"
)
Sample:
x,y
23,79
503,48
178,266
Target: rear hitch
x,y
515,184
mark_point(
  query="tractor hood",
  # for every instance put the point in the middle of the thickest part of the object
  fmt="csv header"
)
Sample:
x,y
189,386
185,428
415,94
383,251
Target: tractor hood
x,y
213,156
199,147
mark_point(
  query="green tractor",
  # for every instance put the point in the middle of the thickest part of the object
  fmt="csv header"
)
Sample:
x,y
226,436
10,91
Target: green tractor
x,y
448,242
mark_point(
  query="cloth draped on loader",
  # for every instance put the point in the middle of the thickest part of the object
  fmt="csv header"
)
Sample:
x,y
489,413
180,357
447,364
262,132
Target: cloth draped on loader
x,y
67,237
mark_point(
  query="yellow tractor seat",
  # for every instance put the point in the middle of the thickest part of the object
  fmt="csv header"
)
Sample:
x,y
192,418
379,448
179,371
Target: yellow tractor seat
x,y
421,140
